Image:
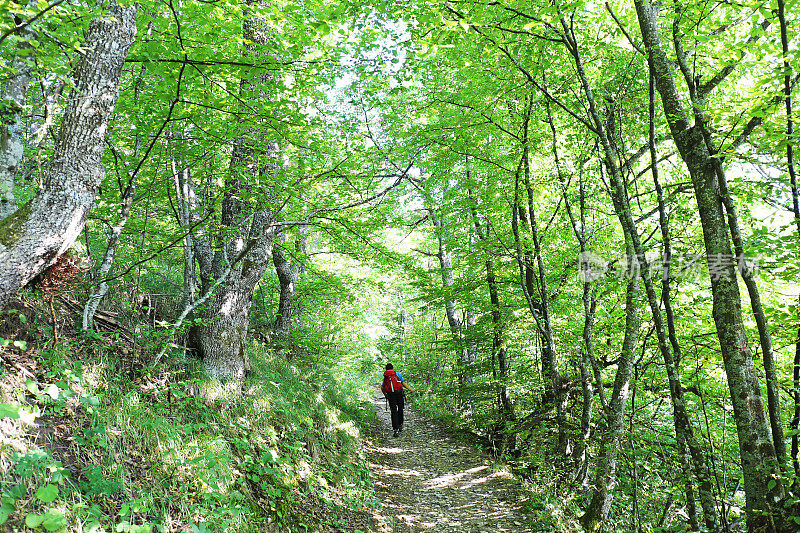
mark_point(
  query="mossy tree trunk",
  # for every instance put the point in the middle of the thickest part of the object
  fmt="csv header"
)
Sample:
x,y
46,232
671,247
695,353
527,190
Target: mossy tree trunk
x,y
760,469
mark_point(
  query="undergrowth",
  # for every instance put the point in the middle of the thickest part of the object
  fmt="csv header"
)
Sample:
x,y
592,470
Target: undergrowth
x,y
89,446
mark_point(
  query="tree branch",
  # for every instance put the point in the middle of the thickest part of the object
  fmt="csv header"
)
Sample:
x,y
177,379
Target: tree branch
x,y
30,21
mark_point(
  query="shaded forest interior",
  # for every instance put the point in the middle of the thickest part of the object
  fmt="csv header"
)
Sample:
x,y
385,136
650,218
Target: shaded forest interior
x,y
574,227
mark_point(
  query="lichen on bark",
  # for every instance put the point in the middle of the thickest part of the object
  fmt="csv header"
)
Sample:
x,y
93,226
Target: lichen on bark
x,y
11,227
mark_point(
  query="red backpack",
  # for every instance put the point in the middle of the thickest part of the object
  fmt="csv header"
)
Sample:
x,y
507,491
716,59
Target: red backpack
x,y
391,383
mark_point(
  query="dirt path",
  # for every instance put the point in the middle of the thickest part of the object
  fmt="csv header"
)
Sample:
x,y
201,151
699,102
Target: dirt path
x,y
429,481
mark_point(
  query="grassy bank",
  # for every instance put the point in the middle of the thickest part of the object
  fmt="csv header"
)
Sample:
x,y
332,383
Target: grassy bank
x,y
92,443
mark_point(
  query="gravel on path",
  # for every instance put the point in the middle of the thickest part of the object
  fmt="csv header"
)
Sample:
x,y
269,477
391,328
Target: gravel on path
x,y
428,481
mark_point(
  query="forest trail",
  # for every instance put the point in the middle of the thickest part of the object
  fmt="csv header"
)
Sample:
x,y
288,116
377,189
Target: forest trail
x,y
429,481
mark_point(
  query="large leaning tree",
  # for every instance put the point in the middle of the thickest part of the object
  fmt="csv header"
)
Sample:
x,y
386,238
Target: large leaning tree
x,y
42,229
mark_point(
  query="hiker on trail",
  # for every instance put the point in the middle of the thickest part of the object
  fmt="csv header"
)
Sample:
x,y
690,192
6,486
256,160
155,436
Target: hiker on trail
x,y
393,388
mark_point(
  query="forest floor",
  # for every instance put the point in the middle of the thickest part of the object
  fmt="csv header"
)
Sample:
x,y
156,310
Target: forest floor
x,y
427,480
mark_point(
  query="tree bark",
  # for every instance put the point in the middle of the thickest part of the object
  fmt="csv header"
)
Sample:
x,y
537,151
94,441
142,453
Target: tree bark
x,y
588,366
580,453
184,192
538,305
286,279
221,338
466,354
185,203
506,438
401,326
446,266
764,335
44,228
691,506
128,195
108,258
506,413
589,299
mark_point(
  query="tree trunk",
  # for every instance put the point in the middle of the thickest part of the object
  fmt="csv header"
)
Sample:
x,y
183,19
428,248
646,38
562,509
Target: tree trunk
x,y
287,277
787,95
506,412
185,200
466,354
446,266
13,99
551,372
220,339
683,428
128,195
681,439
221,342
580,453
588,365
611,443
538,305
44,228
401,327
764,335
283,268
763,488
108,258
255,170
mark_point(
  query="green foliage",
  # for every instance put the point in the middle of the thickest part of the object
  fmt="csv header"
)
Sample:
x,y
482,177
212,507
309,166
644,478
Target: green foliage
x,y
449,99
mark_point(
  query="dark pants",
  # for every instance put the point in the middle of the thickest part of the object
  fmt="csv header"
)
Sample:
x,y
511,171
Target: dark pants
x,y
396,404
